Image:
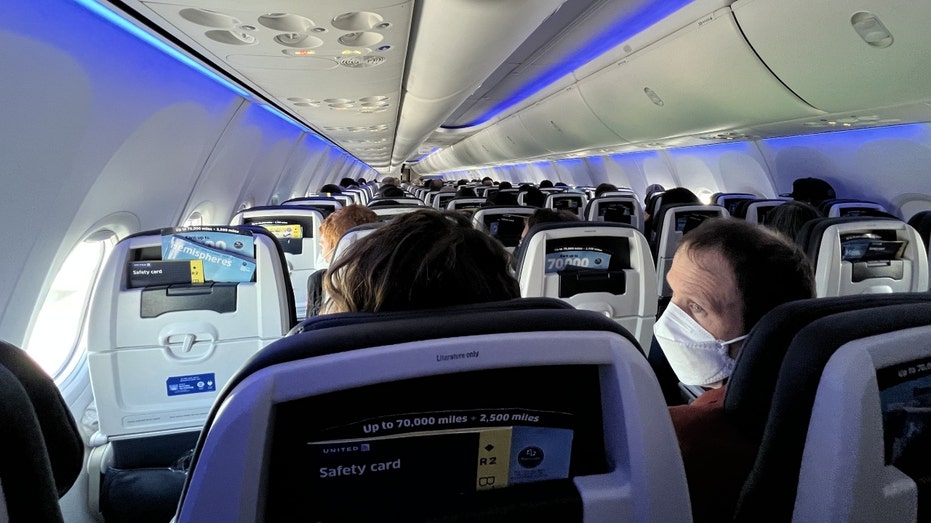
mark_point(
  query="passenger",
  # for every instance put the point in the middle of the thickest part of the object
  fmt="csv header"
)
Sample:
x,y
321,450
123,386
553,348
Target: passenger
x,y
465,192
330,231
487,181
603,188
505,185
725,276
651,189
811,190
545,184
331,188
435,184
503,198
534,197
348,182
420,260
675,195
789,217
547,216
390,191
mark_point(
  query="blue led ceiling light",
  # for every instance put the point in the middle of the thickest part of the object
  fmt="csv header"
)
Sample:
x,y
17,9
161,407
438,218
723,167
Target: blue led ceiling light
x,y
132,29
620,31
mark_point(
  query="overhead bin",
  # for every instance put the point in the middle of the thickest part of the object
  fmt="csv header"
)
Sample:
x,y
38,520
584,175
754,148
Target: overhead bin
x,y
703,78
513,138
563,122
844,56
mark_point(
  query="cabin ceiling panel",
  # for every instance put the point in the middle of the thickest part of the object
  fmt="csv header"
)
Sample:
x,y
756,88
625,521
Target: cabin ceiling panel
x,y
702,79
456,45
336,65
844,56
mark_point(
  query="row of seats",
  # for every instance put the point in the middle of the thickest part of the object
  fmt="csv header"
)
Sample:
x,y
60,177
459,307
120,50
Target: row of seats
x,y
179,334
160,352
833,391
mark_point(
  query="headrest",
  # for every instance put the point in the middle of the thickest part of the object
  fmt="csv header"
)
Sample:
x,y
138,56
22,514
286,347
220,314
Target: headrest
x,y
342,332
811,190
750,387
769,493
809,236
62,438
922,223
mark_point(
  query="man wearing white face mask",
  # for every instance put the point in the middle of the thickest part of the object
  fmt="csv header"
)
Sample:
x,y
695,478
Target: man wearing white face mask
x,y
725,276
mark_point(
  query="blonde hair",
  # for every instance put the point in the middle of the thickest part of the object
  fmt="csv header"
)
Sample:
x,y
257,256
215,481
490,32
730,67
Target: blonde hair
x,y
343,219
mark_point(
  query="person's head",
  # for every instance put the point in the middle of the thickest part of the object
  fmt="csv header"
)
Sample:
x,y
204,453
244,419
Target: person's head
x,y
348,182
420,260
362,181
603,188
789,217
534,197
340,221
726,274
487,181
331,188
465,192
390,191
679,195
811,190
547,216
545,184
436,184
505,185
462,182
389,180
652,189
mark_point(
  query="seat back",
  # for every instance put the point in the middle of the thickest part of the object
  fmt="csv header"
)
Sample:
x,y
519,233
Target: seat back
x,y
465,204
407,201
922,223
442,198
730,200
624,208
567,201
44,449
675,221
353,235
328,417
325,204
158,352
504,222
599,266
859,255
296,229
755,211
785,388
837,207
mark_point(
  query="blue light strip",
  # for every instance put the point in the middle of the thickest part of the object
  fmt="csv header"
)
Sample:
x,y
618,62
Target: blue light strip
x,y
614,35
132,29
894,132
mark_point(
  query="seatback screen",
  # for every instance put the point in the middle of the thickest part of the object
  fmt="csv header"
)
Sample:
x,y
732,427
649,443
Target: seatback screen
x,y
413,448
905,396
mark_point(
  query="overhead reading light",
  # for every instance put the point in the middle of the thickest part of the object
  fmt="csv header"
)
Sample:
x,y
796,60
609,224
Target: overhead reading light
x,y
871,29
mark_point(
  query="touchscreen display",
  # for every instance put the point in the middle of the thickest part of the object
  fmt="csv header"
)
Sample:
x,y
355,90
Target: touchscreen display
x,y
422,444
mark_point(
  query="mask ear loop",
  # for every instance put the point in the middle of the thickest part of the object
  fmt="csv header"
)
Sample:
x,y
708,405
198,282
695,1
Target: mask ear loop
x,y
735,340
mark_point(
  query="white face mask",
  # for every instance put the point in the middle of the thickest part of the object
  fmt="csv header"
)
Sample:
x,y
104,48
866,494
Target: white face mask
x,y
693,353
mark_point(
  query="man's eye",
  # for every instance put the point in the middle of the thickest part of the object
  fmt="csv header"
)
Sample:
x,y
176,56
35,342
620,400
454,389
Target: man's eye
x,y
696,308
